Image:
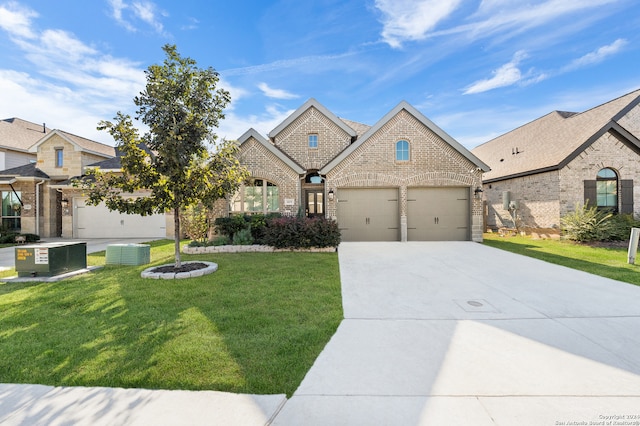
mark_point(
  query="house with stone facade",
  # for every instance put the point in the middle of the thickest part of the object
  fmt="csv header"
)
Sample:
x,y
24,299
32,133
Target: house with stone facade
x,y
37,196
402,179
544,169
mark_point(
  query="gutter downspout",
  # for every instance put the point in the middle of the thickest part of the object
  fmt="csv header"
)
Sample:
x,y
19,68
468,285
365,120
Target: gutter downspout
x,y
38,206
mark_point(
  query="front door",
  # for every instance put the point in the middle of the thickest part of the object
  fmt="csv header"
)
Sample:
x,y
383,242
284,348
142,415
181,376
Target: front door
x,y
315,203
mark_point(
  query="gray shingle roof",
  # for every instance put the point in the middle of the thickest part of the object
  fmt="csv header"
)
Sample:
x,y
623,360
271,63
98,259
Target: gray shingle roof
x,y
85,144
358,127
549,141
19,134
28,170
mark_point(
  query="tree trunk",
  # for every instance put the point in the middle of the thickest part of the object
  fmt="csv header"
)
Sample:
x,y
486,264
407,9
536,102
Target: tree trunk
x,y
176,234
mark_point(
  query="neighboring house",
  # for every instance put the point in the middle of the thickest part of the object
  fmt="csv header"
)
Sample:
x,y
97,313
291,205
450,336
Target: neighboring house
x,y
548,166
37,196
16,137
404,179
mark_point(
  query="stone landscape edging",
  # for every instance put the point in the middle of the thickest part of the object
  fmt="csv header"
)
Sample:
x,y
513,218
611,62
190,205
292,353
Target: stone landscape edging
x,y
210,269
256,248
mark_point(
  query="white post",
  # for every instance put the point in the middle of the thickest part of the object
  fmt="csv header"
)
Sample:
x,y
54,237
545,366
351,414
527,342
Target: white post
x,y
633,245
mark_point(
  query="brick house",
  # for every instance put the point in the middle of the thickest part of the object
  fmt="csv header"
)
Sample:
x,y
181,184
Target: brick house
x,y
403,179
37,197
548,166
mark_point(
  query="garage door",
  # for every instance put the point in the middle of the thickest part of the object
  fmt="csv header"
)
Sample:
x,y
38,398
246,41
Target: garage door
x,y
438,214
99,222
368,214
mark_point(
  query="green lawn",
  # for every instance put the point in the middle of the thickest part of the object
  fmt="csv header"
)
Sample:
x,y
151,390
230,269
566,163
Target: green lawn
x,y
606,262
254,326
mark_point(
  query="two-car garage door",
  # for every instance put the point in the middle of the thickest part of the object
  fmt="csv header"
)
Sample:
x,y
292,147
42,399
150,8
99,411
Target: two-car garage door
x,y
99,222
433,214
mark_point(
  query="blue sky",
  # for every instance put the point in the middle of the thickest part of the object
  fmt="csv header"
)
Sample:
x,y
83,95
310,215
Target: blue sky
x,y
477,68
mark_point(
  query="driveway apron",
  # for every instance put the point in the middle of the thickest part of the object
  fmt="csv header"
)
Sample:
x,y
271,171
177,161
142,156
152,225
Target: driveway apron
x,y
446,333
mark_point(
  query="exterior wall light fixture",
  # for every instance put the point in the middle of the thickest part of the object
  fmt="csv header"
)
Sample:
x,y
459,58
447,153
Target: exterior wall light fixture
x,y
478,192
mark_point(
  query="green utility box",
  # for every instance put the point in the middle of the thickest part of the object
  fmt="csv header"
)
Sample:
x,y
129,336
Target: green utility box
x,y
50,259
128,254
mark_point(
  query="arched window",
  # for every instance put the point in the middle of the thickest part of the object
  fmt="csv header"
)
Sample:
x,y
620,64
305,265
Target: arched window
x,y
402,150
257,196
607,189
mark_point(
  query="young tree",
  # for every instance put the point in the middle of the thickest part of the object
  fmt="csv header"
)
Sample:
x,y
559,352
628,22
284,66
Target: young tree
x,y
172,161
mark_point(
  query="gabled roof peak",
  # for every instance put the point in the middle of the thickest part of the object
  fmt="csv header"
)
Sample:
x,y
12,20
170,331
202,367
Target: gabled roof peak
x,y
312,103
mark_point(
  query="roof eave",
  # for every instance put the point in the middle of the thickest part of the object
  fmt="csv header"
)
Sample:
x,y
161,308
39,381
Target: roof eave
x,y
252,133
521,174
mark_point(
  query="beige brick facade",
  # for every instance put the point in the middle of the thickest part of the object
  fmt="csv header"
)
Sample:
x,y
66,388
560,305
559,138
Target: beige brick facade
x,y
432,162
263,164
543,198
293,140
369,162
537,197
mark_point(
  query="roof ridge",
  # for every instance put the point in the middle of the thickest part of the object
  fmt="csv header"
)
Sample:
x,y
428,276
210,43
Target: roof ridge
x,y
604,104
84,138
522,126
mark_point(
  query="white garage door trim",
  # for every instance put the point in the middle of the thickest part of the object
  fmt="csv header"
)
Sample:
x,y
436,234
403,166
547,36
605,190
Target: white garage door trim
x,y
99,222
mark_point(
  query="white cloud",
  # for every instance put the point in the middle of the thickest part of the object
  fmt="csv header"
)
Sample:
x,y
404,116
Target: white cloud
x,y
276,93
511,17
301,62
235,125
65,82
407,20
144,11
16,20
148,13
506,75
597,55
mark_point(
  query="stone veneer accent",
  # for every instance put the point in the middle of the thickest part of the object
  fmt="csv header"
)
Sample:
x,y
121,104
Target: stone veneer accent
x,y
255,248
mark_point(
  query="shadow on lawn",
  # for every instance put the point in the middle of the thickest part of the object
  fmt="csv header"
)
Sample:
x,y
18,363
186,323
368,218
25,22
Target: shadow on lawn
x,y
219,332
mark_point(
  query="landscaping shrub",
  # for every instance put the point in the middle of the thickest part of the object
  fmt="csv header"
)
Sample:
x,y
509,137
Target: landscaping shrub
x,y
257,223
243,237
195,222
230,225
621,226
587,224
296,232
10,238
220,240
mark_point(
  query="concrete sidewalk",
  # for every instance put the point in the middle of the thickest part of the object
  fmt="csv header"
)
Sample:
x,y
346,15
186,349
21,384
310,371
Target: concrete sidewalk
x,y
463,334
47,405
441,333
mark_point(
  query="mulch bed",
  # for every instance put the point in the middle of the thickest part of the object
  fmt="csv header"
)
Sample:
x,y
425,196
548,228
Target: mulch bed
x,y
186,267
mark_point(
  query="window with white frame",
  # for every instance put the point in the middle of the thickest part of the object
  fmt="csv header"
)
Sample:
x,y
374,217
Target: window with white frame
x,y
313,141
257,196
402,150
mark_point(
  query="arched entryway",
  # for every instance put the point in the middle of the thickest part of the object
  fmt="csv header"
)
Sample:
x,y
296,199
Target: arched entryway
x,y
313,194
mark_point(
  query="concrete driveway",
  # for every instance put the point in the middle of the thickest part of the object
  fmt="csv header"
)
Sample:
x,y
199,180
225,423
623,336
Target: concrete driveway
x,y
457,333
